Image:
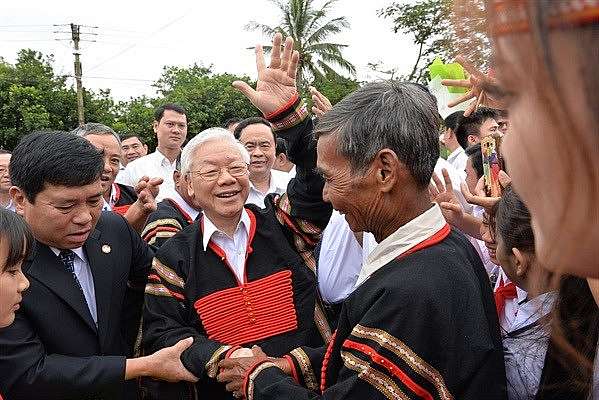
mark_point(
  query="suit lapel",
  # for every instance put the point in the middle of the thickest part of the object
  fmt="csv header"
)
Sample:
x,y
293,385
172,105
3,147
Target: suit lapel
x,y
100,265
47,268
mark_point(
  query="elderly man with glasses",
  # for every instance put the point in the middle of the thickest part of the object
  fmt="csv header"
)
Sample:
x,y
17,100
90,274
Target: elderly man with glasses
x,y
240,275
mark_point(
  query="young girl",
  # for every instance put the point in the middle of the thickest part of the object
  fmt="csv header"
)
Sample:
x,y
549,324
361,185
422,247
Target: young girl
x,y
534,364
15,244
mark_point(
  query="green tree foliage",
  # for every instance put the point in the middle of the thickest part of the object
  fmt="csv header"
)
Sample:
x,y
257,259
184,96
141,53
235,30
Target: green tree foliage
x,y
311,30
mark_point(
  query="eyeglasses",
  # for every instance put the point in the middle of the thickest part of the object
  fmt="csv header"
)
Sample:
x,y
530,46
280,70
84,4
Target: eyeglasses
x,y
213,173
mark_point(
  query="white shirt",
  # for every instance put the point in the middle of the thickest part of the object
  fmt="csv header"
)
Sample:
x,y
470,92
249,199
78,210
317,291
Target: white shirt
x,y
11,206
526,346
339,261
458,159
192,212
510,311
291,173
235,247
154,165
86,279
109,204
278,184
407,236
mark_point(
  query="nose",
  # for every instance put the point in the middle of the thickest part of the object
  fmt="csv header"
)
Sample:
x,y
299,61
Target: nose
x,y
84,215
107,168
23,283
225,178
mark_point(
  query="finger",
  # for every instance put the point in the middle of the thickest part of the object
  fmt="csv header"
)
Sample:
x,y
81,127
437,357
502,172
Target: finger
x,y
292,70
447,180
480,99
451,206
470,109
504,179
432,190
258,352
287,53
156,181
438,183
246,89
318,102
260,58
318,112
465,97
479,190
472,70
465,83
228,363
275,56
182,345
466,192
234,386
226,375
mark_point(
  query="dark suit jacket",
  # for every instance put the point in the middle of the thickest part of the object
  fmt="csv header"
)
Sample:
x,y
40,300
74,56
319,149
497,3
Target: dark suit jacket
x,y
54,350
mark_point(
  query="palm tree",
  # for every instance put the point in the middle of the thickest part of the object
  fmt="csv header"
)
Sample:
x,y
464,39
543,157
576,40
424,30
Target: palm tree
x,y
310,30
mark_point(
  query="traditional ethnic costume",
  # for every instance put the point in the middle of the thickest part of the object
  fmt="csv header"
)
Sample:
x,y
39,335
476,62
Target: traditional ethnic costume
x,y
171,216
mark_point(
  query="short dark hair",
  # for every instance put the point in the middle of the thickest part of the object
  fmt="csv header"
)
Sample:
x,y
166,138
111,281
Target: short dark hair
x,y
451,121
252,121
131,136
511,220
54,157
281,146
15,231
231,121
475,155
470,125
159,112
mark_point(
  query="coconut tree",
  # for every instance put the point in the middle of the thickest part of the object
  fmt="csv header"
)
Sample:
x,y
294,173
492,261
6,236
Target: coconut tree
x,y
311,30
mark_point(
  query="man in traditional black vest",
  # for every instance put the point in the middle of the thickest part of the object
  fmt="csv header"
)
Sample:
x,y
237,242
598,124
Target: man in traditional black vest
x,y
78,320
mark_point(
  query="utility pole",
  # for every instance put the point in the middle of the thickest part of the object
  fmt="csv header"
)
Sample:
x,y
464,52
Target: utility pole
x,y
78,72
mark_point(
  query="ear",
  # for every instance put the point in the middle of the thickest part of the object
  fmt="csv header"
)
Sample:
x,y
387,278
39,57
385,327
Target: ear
x,y
187,179
473,139
522,262
386,166
155,126
176,177
146,147
19,199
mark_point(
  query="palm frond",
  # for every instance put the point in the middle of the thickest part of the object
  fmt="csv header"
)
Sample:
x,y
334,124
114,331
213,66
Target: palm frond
x,y
265,29
339,60
331,27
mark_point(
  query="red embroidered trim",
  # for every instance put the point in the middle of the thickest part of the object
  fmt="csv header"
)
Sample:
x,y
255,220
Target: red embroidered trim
x,y
291,364
284,108
389,366
251,311
438,237
154,231
325,363
181,210
121,210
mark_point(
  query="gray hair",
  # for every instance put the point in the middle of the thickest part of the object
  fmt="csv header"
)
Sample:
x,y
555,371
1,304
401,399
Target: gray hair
x,y
210,135
399,116
94,128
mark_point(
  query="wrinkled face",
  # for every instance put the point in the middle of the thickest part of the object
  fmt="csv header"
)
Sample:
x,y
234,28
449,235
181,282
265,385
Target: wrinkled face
x,y
488,238
353,196
12,285
4,176
61,216
132,149
260,143
112,158
171,130
221,197
551,149
471,176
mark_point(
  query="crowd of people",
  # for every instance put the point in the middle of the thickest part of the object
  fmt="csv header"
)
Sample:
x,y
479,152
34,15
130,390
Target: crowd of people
x,y
328,254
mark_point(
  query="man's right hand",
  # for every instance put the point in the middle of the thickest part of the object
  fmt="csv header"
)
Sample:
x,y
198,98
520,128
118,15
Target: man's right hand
x,y
276,83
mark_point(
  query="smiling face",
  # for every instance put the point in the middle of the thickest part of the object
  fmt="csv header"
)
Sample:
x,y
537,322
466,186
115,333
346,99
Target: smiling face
x,y
12,285
223,198
171,130
112,159
132,148
259,141
61,216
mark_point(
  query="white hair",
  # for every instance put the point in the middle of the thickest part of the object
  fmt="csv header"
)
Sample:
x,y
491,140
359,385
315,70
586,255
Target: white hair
x,y
210,135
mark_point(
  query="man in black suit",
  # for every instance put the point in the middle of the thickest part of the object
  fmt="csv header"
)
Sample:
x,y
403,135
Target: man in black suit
x,y
78,320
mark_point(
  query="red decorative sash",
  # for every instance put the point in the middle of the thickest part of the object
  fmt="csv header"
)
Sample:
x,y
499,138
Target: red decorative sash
x,y
251,311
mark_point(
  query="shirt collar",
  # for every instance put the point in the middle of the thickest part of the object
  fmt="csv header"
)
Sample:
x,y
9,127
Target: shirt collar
x,y
162,158
407,236
192,212
275,186
454,154
533,310
78,251
210,229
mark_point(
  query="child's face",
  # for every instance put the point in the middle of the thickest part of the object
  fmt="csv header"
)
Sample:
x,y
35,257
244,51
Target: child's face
x,y
12,285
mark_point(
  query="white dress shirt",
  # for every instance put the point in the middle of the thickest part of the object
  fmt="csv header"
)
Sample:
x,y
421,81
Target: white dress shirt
x,y
511,309
108,205
192,212
525,347
458,159
278,184
339,261
234,247
153,165
407,236
86,279
11,206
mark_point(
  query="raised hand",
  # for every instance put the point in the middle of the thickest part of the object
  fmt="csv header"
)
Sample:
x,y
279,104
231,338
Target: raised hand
x,y
442,193
276,83
147,189
479,197
476,83
321,103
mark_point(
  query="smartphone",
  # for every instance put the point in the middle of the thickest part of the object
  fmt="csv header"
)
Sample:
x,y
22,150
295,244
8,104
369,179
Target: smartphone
x,y
491,166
